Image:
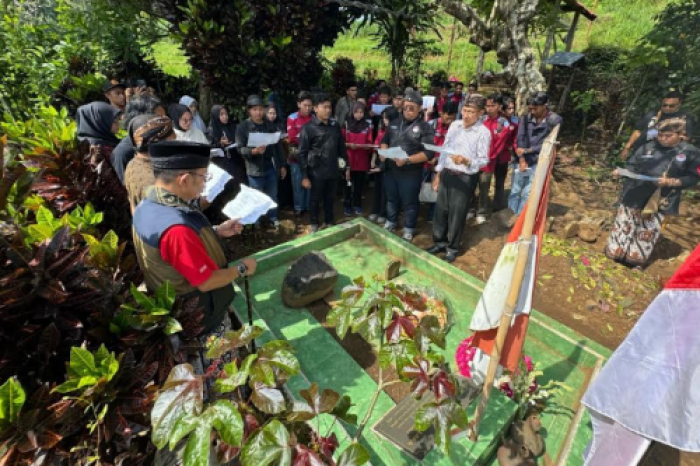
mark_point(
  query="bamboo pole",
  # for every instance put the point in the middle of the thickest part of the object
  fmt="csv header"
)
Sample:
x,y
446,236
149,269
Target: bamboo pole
x,y
452,43
543,168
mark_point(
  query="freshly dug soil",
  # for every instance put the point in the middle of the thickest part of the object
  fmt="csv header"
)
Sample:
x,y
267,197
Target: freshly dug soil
x,y
362,352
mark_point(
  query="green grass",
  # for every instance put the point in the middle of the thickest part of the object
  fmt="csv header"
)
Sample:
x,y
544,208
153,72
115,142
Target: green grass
x,y
620,23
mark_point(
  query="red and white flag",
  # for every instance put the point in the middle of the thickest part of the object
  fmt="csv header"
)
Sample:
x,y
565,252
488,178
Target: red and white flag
x,y
649,389
487,315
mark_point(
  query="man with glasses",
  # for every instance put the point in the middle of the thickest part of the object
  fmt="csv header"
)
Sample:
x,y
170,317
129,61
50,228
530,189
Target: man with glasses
x,y
647,128
403,177
532,132
175,242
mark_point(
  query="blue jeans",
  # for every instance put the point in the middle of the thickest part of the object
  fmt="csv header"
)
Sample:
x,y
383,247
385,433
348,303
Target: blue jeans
x,y
520,186
301,195
403,189
266,183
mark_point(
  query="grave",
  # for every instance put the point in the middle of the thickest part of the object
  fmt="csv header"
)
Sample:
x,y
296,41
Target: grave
x,y
360,248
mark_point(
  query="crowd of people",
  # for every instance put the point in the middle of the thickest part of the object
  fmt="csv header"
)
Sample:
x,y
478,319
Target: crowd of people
x,y
162,167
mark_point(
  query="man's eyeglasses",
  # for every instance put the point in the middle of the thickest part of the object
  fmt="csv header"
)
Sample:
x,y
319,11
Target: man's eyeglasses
x,y
207,176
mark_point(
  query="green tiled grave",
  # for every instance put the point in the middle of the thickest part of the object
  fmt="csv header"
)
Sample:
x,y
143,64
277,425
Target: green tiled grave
x,y
359,248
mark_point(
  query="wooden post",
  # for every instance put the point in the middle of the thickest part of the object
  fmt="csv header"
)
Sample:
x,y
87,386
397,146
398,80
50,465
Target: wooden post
x,y
572,31
565,94
525,240
452,43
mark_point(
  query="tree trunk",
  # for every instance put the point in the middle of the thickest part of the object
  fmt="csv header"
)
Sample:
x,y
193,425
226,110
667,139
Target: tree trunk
x,y
551,37
506,32
480,66
452,43
205,101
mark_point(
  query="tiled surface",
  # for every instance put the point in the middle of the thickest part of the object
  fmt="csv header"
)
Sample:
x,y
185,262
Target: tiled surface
x,y
560,353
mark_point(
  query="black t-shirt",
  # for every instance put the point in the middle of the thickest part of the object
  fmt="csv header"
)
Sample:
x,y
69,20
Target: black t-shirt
x,y
121,156
649,123
409,136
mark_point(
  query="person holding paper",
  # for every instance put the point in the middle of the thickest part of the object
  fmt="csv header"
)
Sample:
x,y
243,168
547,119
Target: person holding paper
x,y
457,176
264,163
321,146
377,169
442,126
644,205
175,242
383,99
138,176
403,177
357,133
295,123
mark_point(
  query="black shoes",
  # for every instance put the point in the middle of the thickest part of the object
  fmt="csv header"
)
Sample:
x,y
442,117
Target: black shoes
x,y
450,257
434,249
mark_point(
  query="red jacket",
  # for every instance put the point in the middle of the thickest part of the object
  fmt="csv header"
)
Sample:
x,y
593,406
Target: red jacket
x,y
502,136
440,132
294,124
359,159
380,136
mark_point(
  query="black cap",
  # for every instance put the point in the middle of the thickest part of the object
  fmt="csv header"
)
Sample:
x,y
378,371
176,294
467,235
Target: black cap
x,y
414,97
179,155
111,84
254,101
538,98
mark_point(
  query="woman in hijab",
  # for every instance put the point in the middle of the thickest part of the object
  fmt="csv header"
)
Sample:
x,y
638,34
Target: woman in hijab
x,y
144,131
181,117
285,193
193,105
98,123
358,135
222,133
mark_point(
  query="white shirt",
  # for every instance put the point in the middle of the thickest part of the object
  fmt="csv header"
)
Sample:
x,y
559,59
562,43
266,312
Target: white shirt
x,y
473,143
192,135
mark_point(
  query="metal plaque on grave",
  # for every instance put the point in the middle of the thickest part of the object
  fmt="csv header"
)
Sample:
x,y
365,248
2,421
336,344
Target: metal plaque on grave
x,y
397,425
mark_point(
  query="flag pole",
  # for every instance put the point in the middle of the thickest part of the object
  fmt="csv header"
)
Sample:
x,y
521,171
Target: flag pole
x,y
543,168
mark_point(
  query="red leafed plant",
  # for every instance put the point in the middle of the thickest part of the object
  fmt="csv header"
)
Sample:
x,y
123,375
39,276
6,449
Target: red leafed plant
x,y
404,324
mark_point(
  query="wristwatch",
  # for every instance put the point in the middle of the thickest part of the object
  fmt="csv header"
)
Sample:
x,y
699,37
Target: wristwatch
x,y
242,270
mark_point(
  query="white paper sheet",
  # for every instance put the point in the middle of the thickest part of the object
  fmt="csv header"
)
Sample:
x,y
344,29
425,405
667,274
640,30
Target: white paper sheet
x,y
249,205
635,176
214,187
263,139
379,108
393,153
428,101
446,150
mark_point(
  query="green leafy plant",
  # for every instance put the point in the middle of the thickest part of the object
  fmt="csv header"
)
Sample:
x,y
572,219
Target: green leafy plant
x,y
585,101
404,324
12,398
79,220
88,372
266,427
151,313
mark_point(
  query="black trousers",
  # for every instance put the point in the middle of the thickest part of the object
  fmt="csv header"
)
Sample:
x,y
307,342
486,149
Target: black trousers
x,y
322,190
454,198
379,195
353,193
485,206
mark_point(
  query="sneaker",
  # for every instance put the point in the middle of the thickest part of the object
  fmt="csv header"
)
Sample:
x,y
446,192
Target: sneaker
x,y
381,220
314,228
348,211
470,215
358,211
389,226
407,236
480,219
373,218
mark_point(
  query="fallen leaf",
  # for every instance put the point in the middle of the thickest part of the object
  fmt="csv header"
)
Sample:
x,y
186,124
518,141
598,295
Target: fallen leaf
x,y
578,316
610,327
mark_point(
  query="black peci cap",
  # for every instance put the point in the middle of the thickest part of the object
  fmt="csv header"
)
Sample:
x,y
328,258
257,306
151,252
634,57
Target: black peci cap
x,y
414,97
179,155
111,84
254,101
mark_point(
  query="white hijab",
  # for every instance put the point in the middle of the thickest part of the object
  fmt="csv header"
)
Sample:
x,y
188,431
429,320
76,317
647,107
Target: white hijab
x,y
197,120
